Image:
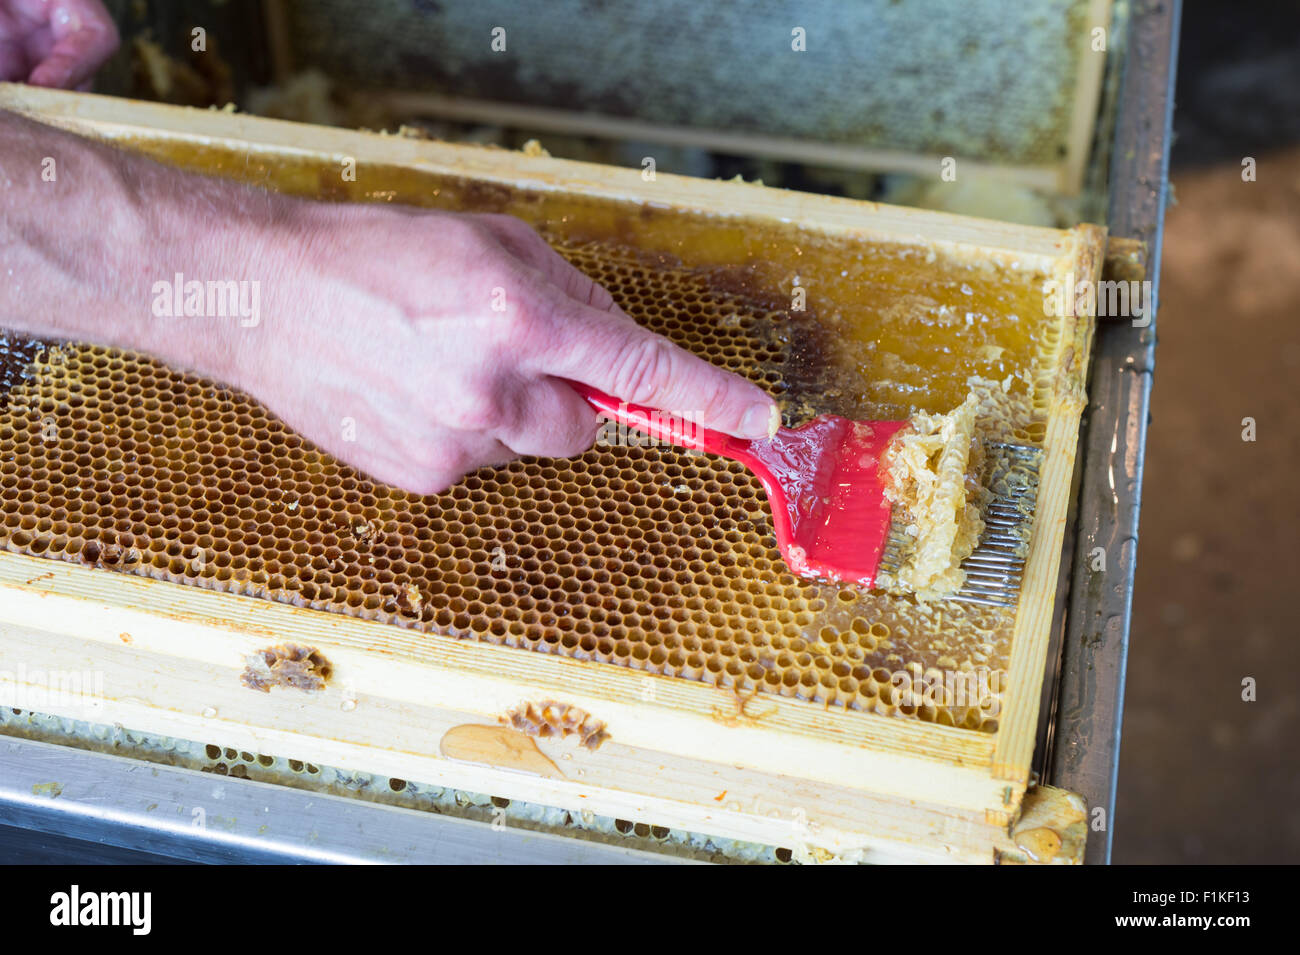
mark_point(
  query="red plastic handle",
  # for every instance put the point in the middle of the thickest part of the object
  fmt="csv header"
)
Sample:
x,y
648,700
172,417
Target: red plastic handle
x,y
664,426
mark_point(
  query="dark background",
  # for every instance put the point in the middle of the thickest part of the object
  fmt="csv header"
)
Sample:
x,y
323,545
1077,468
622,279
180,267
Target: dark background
x,y
1205,777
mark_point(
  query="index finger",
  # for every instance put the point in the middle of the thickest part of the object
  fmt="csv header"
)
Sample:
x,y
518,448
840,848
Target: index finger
x,y
609,351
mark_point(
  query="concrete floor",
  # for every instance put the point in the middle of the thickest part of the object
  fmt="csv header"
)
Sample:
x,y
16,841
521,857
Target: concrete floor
x,y
1204,776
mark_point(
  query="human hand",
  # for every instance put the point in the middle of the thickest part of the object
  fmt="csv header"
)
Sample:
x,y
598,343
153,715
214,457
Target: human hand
x,y
59,43
416,345
379,338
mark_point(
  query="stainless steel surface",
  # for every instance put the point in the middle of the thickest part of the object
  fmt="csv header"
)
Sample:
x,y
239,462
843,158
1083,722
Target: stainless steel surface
x,y
202,817
1084,749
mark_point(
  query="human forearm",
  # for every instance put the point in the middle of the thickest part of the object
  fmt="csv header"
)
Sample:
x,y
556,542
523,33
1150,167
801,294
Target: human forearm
x,y
73,237
88,233
417,344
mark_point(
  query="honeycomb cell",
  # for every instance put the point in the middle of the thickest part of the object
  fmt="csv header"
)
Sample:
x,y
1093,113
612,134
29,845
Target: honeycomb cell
x,y
632,554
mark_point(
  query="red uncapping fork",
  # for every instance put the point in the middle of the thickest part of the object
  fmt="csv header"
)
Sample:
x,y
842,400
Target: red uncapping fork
x,y
825,485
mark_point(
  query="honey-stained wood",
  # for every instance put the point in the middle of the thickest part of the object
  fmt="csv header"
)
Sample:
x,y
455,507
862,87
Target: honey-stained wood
x,y
677,753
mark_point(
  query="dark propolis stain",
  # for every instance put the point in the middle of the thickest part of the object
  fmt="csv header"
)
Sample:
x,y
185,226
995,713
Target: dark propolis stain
x,y
17,352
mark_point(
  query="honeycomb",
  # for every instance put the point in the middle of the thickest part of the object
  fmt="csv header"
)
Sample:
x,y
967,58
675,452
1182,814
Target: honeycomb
x,y
651,558
549,718
300,668
984,78
932,485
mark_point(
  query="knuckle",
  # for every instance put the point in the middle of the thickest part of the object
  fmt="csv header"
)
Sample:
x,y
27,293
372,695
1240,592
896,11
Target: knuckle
x,y
526,319
644,369
595,295
504,331
475,239
508,236
475,227
512,226
715,401
476,407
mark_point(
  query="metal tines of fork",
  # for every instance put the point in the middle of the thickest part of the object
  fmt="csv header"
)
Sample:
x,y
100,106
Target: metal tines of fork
x,y
995,568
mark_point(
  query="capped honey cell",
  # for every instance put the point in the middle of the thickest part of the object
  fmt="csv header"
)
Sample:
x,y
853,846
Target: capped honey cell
x,y
633,555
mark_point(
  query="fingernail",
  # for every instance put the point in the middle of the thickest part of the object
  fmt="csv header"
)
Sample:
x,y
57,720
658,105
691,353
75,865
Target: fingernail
x,y
760,421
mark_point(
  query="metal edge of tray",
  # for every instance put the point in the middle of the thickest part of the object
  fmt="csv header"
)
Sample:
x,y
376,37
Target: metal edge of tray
x,y
173,813
1084,744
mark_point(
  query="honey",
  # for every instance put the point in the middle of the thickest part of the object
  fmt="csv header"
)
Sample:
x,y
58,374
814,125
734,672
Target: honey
x,y
936,498
644,557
